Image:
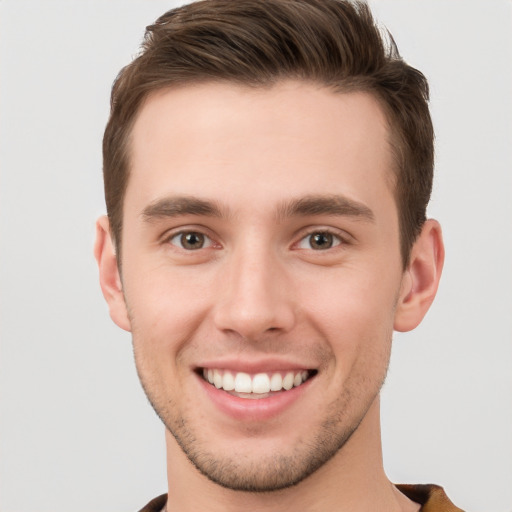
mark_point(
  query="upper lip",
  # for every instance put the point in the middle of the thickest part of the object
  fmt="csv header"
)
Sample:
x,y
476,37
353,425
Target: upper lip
x,y
255,365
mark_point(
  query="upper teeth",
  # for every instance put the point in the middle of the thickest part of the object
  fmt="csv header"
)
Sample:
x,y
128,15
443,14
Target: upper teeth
x,y
260,383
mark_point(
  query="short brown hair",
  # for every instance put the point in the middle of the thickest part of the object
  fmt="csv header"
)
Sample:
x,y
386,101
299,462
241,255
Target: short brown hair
x,y
335,43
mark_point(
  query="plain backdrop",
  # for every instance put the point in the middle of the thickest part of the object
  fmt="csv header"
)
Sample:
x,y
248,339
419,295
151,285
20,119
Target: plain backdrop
x,y
76,431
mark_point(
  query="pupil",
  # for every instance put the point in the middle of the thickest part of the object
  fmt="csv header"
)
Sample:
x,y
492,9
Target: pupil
x,y
192,240
321,241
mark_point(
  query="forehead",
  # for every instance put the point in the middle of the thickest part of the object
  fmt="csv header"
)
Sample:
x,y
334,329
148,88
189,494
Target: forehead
x,y
288,139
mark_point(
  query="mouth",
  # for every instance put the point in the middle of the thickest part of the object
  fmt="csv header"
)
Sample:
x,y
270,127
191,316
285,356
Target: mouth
x,y
258,385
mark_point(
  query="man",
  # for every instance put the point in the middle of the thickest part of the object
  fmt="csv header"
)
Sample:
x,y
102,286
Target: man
x,y
267,169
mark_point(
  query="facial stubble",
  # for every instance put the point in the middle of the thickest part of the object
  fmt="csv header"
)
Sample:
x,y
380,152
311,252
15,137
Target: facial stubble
x,y
237,471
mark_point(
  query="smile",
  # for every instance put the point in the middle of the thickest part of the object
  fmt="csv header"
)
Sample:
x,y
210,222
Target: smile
x,y
259,385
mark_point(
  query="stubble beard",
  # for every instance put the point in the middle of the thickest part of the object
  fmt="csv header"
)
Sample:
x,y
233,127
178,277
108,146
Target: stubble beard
x,y
278,471
269,473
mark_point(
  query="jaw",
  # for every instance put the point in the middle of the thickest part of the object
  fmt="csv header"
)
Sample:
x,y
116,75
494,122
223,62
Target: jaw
x,y
262,469
263,446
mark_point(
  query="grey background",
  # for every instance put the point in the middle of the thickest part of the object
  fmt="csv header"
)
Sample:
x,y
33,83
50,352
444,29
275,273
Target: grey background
x,y
76,433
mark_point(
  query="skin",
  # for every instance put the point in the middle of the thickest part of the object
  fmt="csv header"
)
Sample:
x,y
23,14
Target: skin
x,y
258,294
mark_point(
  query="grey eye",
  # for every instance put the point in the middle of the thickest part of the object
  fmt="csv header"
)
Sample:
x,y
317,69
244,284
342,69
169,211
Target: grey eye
x,y
320,240
190,240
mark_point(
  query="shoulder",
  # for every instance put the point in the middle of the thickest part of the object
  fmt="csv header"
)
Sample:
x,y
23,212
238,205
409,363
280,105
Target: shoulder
x,y
432,498
156,504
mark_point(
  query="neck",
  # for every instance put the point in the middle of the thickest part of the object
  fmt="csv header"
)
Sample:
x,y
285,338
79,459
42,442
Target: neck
x,y
353,480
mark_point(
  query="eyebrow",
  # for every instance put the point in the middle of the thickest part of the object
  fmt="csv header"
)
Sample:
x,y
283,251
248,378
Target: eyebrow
x,y
337,205
180,205
312,205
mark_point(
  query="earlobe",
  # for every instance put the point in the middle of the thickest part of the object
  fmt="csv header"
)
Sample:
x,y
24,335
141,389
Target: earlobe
x,y
110,280
421,279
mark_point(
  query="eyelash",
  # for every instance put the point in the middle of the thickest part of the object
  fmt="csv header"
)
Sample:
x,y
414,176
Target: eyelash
x,y
207,239
332,238
337,239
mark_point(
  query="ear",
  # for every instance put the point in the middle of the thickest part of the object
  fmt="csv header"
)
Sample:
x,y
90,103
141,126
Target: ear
x,y
110,279
421,279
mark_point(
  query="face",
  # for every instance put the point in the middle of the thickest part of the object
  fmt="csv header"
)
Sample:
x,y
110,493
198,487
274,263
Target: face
x,y
261,271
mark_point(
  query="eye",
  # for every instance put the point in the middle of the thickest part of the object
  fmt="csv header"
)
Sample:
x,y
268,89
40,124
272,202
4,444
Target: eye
x,y
190,240
319,241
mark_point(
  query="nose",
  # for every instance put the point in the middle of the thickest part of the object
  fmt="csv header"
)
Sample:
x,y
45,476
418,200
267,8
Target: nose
x,y
255,295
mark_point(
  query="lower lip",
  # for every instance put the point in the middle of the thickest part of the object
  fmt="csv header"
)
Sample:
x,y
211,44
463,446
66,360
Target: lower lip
x,y
253,409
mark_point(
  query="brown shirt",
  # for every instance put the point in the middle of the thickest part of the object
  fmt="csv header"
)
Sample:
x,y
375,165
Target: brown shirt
x,y
432,498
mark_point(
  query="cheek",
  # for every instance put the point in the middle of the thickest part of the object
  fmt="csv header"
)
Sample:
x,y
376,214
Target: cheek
x,y
354,312
165,310
165,295
350,297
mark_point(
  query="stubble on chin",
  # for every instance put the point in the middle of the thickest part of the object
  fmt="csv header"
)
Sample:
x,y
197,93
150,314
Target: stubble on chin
x,y
275,471
269,473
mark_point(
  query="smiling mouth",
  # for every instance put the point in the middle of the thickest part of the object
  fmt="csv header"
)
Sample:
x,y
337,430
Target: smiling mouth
x,y
259,385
